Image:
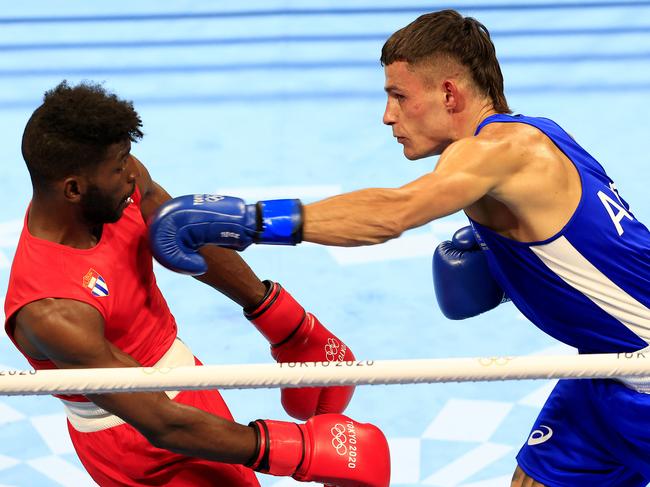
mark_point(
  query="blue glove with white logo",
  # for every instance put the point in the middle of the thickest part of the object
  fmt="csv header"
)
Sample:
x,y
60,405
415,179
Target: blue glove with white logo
x,y
181,226
462,279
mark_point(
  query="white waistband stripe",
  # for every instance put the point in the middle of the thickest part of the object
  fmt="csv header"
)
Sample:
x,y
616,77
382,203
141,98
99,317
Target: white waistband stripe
x,y
87,417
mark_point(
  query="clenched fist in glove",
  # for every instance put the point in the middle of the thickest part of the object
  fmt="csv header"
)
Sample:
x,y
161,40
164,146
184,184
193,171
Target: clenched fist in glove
x,y
462,279
181,226
330,448
297,336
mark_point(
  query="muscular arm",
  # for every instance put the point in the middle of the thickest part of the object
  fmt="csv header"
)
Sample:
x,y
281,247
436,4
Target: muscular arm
x,y
71,334
468,170
227,271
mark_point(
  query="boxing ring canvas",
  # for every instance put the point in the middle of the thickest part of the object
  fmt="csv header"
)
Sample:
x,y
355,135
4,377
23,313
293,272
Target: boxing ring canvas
x,y
264,99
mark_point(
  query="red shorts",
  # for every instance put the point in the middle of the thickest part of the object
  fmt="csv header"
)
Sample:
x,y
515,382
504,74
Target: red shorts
x,y
120,456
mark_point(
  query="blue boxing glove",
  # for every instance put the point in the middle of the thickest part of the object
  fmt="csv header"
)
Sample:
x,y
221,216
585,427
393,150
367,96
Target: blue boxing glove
x,y
181,226
462,279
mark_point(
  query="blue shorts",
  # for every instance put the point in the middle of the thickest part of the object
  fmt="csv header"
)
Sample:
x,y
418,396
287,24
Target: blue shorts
x,y
590,432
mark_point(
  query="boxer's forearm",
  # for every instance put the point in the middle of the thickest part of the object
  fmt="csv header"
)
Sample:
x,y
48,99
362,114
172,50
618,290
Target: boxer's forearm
x,y
230,275
180,428
192,432
364,217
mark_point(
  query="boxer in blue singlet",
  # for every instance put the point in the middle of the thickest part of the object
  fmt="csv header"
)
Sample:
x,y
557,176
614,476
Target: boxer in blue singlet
x,y
549,230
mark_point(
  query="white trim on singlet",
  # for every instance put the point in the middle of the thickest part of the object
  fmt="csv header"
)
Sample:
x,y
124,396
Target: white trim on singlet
x,y
563,259
573,268
87,417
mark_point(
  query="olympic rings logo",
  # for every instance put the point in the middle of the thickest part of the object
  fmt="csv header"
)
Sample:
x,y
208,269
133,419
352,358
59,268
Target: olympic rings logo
x,y
487,361
339,439
156,370
332,349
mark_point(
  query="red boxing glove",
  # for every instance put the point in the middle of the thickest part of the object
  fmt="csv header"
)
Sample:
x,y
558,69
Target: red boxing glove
x,y
298,336
330,448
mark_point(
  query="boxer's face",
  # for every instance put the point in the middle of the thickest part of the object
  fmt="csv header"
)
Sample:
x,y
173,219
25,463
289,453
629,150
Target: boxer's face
x,y
110,187
417,111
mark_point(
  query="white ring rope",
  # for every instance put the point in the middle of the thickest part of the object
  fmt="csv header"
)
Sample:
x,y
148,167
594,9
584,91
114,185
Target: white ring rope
x,y
255,376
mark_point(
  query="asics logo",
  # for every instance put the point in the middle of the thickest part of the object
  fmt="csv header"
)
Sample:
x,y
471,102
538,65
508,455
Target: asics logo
x,y
332,349
339,440
539,436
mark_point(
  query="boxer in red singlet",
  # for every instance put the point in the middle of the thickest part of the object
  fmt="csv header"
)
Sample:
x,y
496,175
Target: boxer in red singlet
x,y
82,294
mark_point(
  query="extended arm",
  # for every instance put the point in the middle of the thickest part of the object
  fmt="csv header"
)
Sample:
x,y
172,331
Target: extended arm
x,y
468,170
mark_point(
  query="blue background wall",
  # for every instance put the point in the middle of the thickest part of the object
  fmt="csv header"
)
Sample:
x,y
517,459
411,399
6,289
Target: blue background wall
x,y
284,99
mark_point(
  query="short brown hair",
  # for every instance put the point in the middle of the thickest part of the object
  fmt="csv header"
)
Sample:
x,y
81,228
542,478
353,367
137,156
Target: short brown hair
x,y
448,33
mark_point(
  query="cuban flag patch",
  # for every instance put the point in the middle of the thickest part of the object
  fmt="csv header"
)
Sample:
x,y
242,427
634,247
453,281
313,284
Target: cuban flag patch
x,y
95,283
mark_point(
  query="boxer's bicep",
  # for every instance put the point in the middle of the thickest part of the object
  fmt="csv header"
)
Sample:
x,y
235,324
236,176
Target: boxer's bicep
x,y
468,170
68,332
436,195
71,334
